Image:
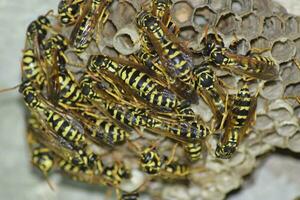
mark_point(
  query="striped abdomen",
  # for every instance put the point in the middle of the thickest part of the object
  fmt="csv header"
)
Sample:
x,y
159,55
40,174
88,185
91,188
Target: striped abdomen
x,y
129,116
208,86
63,127
147,88
235,128
69,92
187,131
241,107
43,159
110,132
193,150
30,68
181,63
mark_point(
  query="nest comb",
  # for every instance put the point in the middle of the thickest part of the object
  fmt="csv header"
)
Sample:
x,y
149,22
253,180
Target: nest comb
x,y
257,24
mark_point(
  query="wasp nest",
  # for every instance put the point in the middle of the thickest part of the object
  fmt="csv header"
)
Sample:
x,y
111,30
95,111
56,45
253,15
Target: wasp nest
x,y
257,25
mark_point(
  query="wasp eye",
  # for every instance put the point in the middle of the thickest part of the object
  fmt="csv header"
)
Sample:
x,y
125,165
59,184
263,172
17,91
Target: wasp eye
x,y
85,90
219,58
146,157
29,98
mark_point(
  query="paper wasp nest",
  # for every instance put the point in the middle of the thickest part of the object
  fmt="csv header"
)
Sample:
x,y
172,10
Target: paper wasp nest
x,y
260,24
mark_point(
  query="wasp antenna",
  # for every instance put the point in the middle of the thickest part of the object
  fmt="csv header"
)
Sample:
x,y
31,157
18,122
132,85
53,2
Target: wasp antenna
x,y
9,89
49,183
206,32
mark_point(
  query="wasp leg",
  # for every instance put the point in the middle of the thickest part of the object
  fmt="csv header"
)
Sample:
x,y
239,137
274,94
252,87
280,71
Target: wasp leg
x,y
257,51
225,114
172,154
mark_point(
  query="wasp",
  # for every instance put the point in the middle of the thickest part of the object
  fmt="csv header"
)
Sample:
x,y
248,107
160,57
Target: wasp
x,y
146,87
114,174
38,30
150,160
69,12
63,87
101,129
32,62
179,64
61,123
209,88
193,131
240,116
151,61
69,93
254,66
122,112
84,29
55,43
42,157
81,157
91,175
162,9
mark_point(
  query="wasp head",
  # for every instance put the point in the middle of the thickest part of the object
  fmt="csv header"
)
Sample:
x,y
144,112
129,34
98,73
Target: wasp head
x,y
225,151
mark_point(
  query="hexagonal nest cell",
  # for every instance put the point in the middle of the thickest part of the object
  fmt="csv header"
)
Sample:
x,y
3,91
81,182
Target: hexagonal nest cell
x,y
258,25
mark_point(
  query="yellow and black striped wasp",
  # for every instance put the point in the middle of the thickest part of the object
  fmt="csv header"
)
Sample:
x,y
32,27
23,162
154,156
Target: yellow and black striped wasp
x,y
193,131
63,88
37,31
102,129
162,10
94,13
149,157
146,118
63,149
58,121
252,66
173,55
208,86
148,88
42,157
33,64
121,111
241,115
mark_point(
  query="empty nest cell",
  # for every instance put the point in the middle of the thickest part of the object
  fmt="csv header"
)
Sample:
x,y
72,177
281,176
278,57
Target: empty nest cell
x,y
250,25
283,50
203,16
182,12
187,33
272,90
241,6
227,23
272,27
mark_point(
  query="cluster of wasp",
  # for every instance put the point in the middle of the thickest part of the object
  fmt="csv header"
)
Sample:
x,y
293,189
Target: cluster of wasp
x,y
111,116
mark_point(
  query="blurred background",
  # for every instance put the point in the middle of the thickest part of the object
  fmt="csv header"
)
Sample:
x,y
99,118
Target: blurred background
x,y
277,177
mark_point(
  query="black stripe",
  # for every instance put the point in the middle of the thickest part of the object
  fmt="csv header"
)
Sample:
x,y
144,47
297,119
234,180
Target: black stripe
x,y
142,81
134,75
